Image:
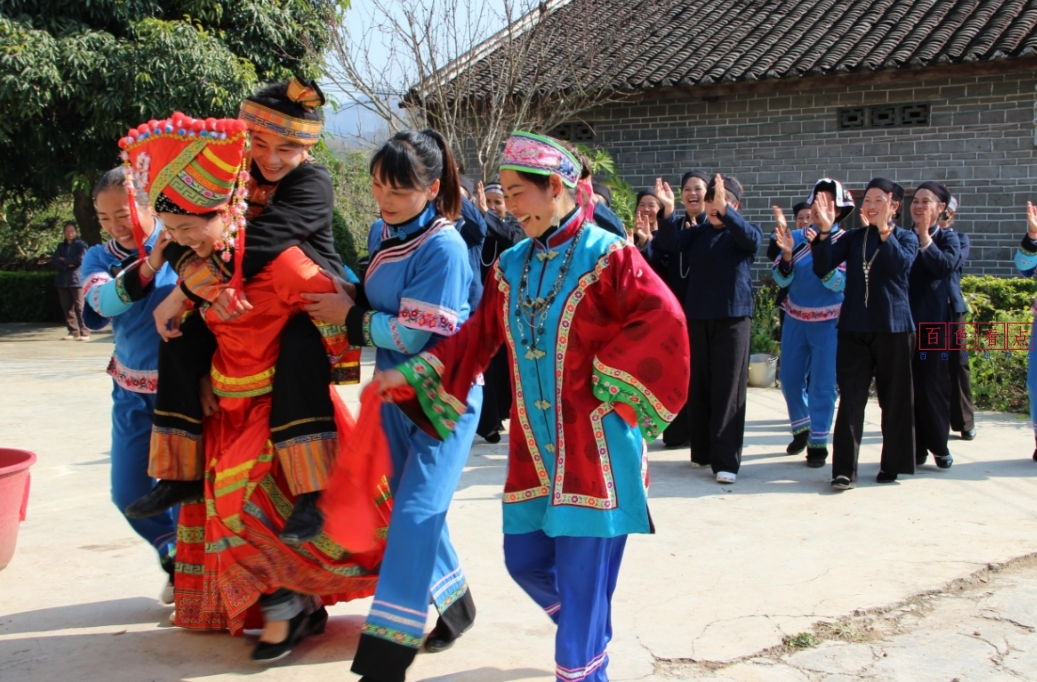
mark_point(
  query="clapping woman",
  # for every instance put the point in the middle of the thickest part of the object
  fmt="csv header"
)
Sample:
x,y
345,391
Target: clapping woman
x,y
1026,261
876,330
809,335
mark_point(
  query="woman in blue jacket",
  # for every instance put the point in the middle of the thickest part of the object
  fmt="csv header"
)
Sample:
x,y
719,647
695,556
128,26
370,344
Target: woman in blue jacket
x,y
809,336
1026,261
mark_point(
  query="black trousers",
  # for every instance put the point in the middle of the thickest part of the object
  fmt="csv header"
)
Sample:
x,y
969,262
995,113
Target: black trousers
x,y
932,384
887,358
963,410
300,406
679,431
71,299
496,402
716,402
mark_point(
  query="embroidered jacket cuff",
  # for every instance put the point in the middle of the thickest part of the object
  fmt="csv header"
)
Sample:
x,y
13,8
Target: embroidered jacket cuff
x,y
135,288
615,385
439,409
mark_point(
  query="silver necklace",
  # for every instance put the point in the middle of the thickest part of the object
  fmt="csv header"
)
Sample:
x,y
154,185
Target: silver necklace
x,y
866,263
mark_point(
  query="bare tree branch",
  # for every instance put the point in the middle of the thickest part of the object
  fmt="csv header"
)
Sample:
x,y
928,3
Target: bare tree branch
x,y
476,73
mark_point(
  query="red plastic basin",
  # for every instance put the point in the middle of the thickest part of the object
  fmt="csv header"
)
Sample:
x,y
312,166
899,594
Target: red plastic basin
x,y
14,497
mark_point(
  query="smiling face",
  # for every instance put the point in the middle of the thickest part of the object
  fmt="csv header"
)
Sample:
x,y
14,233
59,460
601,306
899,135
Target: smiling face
x,y
649,208
495,202
926,208
692,195
276,156
803,219
113,212
198,233
532,205
70,232
876,204
400,204
711,209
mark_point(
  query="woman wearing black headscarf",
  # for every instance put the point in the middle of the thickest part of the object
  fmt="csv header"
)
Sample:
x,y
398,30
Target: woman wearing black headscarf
x,y
719,307
931,285
694,185
876,330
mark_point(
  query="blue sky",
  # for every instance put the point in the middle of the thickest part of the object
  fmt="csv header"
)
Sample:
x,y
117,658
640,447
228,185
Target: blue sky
x,y
349,119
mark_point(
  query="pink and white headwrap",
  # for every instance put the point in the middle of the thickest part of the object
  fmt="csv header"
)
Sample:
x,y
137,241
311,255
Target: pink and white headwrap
x,y
541,155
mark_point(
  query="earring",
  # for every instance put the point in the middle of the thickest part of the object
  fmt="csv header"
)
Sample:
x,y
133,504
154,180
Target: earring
x,y
555,221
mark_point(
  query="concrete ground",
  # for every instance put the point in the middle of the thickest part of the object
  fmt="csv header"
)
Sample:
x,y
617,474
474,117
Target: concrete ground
x,y
773,578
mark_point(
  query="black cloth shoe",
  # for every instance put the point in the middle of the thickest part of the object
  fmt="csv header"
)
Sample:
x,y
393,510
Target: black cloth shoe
x,y
456,620
298,628
843,483
674,446
944,461
968,435
492,438
164,496
921,459
816,456
798,444
305,523
883,477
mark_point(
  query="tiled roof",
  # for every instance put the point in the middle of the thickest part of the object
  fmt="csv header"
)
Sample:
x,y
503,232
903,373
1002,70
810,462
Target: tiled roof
x,y
650,44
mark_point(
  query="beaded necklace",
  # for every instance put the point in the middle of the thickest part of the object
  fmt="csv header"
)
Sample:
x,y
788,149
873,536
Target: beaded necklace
x,y
537,308
866,263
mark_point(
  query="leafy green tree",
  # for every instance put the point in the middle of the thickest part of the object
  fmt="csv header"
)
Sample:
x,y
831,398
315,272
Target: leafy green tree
x,y
76,74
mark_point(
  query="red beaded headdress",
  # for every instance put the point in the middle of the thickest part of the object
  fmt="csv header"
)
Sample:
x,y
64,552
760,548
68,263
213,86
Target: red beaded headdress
x,y
193,167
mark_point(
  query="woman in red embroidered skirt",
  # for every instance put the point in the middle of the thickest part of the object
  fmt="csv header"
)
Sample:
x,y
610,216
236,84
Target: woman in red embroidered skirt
x,y
230,558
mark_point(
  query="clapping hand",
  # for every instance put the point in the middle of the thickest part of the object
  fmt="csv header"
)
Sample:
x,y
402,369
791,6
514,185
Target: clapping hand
x,y
665,196
719,195
480,195
822,212
782,235
642,231
1031,220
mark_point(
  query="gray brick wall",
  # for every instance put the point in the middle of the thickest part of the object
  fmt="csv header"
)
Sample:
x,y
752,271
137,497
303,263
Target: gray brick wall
x,y
980,143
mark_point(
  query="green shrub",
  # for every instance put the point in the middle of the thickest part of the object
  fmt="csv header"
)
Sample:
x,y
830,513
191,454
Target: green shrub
x,y
766,324
999,377
345,243
28,297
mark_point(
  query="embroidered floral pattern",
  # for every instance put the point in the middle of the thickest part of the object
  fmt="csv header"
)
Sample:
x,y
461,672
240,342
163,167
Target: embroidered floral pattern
x,y
135,380
394,331
611,384
513,496
368,316
427,317
564,327
423,372
803,314
392,635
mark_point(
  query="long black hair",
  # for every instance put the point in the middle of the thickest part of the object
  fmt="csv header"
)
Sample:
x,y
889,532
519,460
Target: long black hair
x,y
116,177
414,160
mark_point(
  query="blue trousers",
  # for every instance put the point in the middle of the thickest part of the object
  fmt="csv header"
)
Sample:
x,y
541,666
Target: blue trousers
x,y
1031,377
131,444
572,579
420,562
808,350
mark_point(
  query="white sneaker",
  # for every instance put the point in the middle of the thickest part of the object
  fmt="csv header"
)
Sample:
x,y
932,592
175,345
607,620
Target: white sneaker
x,y
696,465
167,594
725,477
70,337
172,617
84,338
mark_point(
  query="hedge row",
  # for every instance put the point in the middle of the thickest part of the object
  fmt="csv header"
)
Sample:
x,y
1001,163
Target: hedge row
x,y
28,297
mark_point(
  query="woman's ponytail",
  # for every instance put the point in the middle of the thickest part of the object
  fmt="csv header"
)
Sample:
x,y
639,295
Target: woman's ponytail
x,y
448,201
